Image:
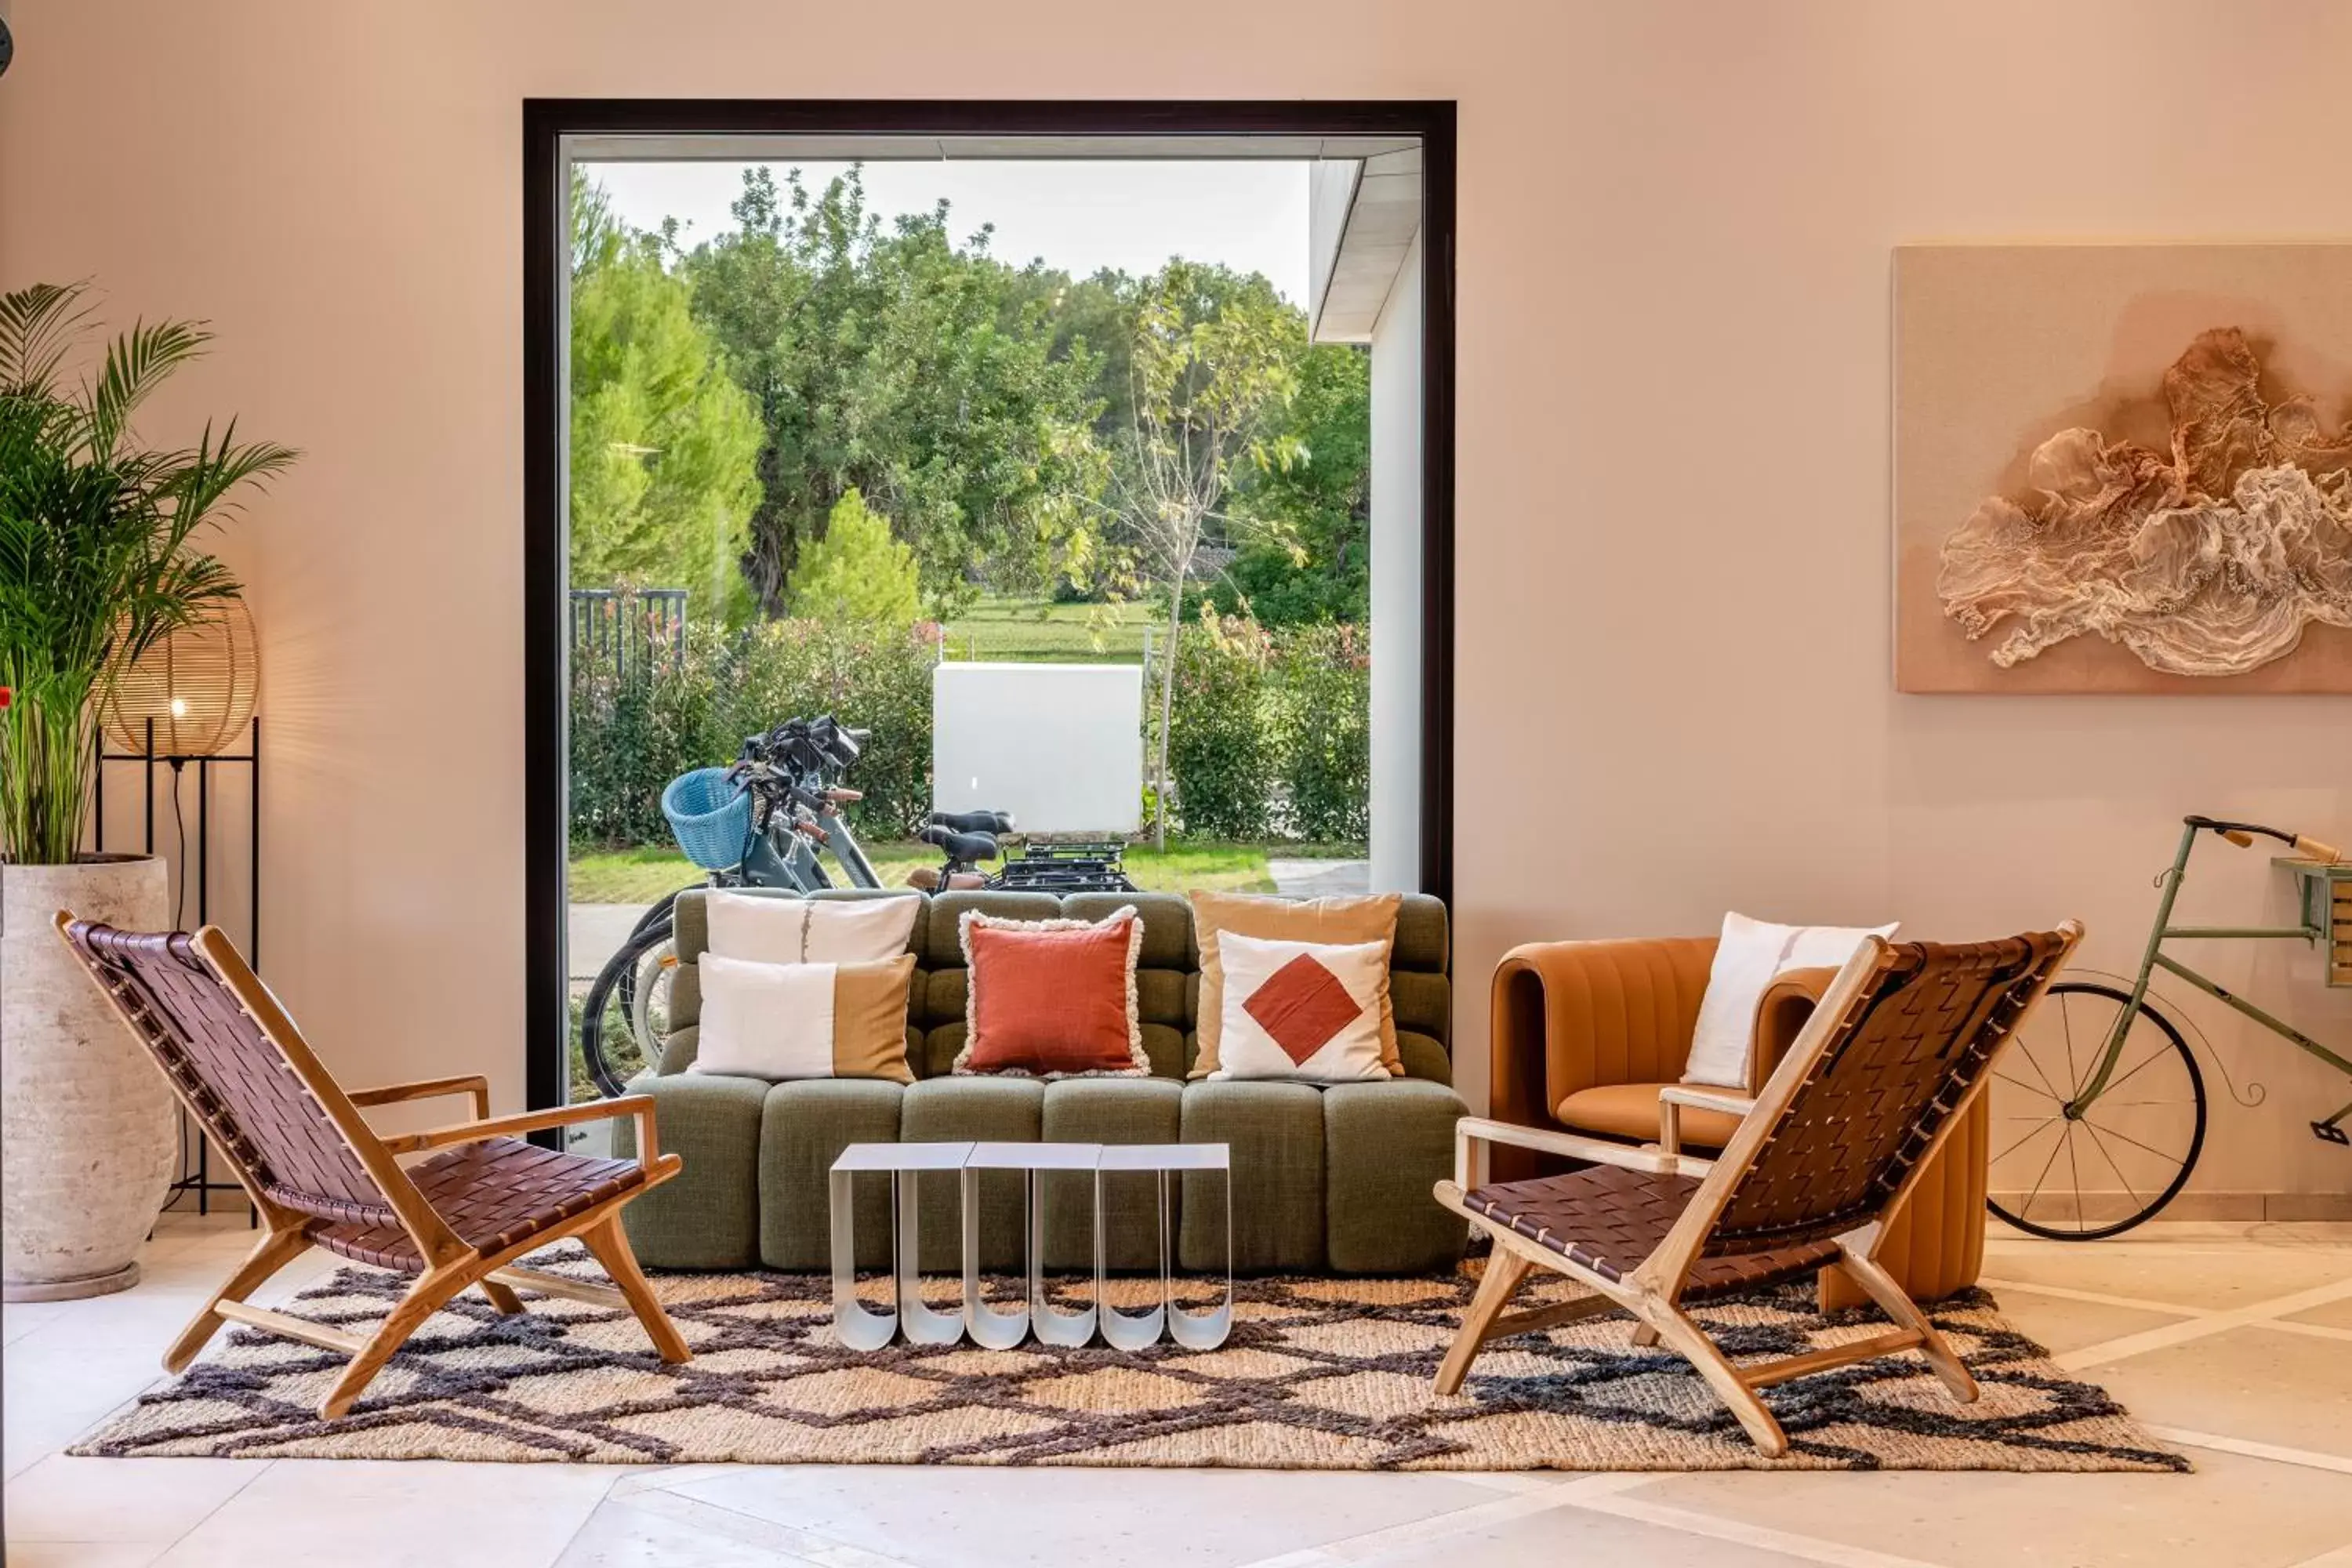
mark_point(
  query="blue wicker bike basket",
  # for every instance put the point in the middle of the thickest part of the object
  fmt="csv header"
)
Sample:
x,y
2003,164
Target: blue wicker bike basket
x,y
711,817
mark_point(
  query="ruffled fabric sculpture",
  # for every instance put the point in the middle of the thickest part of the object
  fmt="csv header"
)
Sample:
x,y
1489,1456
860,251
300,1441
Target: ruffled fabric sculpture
x,y
2210,561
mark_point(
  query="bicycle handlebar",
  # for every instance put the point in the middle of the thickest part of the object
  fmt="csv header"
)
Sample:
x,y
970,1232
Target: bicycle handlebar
x,y
2241,834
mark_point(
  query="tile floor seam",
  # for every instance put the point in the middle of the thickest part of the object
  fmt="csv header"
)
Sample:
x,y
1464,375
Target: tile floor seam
x,y
2252,1448
2310,1331
602,1499
1765,1537
791,1540
2099,1298
2219,1322
235,1492
1453,1521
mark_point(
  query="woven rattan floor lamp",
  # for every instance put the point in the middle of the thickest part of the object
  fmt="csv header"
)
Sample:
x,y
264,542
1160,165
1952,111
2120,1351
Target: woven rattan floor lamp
x,y
186,700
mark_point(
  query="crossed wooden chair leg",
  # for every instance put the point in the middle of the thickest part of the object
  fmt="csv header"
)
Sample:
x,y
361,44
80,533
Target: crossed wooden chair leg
x,y
1661,1319
497,1276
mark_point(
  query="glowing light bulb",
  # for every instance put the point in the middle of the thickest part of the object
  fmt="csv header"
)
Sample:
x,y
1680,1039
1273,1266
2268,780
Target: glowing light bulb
x,y
179,707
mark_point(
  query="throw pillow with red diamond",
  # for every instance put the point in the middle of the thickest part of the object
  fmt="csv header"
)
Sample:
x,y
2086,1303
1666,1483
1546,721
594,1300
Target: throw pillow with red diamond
x,y
1302,1010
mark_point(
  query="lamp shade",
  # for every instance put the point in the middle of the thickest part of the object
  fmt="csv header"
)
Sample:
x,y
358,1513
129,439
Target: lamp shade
x,y
196,682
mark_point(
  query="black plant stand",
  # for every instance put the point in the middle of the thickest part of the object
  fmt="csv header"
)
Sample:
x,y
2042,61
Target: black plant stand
x,y
198,1180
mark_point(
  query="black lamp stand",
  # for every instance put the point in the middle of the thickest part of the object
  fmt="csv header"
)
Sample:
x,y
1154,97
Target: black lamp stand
x,y
198,1180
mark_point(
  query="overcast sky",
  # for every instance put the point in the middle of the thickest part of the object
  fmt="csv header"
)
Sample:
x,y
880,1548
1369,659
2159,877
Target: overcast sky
x,y
1078,217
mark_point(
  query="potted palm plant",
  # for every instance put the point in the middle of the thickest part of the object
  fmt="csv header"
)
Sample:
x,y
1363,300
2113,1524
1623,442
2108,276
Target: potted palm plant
x,y
98,559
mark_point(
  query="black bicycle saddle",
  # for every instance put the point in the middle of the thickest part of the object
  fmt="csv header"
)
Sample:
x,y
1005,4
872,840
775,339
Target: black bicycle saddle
x,y
960,846
974,821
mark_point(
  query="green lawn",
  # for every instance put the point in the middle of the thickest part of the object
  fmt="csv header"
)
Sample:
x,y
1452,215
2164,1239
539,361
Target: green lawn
x,y
643,875
1040,629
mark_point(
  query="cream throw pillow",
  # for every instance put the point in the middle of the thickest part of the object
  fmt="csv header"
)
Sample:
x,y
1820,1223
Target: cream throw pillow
x,y
804,1020
1341,921
1749,956
810,931
1301,1010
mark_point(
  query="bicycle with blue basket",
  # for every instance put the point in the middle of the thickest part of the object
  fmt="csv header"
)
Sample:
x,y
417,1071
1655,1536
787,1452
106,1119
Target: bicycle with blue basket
x,y
772,820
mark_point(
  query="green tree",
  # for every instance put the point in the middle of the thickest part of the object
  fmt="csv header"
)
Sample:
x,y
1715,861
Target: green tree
x,y
663,443
1314,563
915,369
1213,370
857,574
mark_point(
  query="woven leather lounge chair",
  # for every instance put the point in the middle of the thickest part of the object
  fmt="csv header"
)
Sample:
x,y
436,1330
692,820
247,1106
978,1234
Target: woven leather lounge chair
x,y
320,1177
1821,1161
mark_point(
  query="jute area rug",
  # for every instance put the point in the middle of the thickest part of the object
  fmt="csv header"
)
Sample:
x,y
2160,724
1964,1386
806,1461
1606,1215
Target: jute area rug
x,y
1319,1374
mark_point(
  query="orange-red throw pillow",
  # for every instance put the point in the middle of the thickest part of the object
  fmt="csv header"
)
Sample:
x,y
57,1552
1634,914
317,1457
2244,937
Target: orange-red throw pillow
x,y
1052,998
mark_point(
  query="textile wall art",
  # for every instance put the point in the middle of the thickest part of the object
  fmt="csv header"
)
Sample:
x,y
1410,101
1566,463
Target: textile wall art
x,y
2122,468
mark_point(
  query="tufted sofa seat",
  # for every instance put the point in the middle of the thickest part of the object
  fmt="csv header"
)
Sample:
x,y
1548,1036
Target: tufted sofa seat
x,y
1324,1178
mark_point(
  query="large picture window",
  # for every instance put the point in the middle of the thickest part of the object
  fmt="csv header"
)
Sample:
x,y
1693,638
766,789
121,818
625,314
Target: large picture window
x,y
1067,483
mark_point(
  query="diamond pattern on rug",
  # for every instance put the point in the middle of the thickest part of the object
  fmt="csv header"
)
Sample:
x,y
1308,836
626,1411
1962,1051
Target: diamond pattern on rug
x,y
1319,1374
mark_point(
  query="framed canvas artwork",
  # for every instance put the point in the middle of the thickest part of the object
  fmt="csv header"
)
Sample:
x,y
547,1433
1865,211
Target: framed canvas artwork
x,y
2122,468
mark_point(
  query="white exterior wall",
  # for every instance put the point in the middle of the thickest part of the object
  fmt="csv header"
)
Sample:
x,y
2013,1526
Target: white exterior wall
x,y
1396,584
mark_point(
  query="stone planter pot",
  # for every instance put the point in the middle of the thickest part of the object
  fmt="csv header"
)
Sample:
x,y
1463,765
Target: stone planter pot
x,y
86,1121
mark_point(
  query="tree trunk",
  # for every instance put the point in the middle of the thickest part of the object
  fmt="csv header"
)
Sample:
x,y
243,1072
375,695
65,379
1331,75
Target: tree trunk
x,y
1168,707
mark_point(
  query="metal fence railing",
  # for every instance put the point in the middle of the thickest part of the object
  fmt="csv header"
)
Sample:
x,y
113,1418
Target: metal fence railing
x,y
612,625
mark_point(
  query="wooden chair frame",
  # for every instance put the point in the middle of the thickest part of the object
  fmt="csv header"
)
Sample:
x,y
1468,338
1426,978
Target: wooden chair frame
x,y
451,1266
1653,1290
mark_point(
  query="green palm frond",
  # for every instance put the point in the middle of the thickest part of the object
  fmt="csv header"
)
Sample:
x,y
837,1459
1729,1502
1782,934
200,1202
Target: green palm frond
x,y
37,328
97,544
135,364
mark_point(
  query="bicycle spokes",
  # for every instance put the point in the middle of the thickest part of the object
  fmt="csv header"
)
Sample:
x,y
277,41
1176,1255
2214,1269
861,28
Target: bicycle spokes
x,y
2072,1156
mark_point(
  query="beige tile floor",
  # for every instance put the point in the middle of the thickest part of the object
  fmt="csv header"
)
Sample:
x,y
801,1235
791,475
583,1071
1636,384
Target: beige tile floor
x,y
2234,1341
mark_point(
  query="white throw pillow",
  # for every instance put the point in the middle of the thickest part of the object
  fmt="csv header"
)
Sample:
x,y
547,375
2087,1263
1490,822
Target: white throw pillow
x,y
1301,1010
1751,954
860,930
763,928
809,931
765,1020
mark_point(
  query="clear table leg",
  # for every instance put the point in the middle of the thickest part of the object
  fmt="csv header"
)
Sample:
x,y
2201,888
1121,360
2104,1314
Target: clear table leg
x,y
1203,1331
1123,1330
859,1329
990,1328
921,1325
1052,1325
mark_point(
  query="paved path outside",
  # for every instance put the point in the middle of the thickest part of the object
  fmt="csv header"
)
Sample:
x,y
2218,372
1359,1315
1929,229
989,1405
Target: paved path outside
x,y
1320,878
596,932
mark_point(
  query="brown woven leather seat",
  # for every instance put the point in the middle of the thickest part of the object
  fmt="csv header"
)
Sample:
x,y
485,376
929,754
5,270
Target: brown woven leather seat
x,y
1902,1042
496,1195
320,1175
1609,1219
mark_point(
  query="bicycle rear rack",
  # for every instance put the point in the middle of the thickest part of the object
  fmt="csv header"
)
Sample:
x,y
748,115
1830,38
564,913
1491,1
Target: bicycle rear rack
x,y
1068,866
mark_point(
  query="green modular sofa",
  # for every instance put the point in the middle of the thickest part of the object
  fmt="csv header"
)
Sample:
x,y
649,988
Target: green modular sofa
x,y
1324,1179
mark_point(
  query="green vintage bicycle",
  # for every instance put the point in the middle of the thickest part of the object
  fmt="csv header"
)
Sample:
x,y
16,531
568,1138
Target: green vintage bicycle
x,y
2099,1095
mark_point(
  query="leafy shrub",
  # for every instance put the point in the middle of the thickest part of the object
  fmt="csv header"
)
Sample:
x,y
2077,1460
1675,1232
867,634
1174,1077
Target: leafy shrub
x,y
1272,737
1324,699
1222,749
858,574
691,706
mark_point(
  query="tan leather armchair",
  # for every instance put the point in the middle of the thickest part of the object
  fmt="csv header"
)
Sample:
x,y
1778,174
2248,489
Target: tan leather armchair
x,y
1587,1032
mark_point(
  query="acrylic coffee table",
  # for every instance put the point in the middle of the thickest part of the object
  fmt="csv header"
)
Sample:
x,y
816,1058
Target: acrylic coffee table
x,y
996,1328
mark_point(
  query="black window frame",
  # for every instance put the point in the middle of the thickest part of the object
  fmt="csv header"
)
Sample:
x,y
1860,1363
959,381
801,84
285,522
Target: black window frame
x,y
546,125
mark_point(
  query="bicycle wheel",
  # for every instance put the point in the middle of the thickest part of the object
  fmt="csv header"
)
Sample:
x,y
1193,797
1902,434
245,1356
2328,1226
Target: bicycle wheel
x,y
660,915
610,1050
2105,1166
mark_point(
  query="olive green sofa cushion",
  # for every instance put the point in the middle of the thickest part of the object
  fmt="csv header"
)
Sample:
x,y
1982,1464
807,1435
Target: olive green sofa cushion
x,y
1333,1178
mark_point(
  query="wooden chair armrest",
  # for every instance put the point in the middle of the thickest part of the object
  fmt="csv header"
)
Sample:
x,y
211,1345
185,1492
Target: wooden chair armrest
x,y
474,1084
640,1106
1468,1168
1673,1097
